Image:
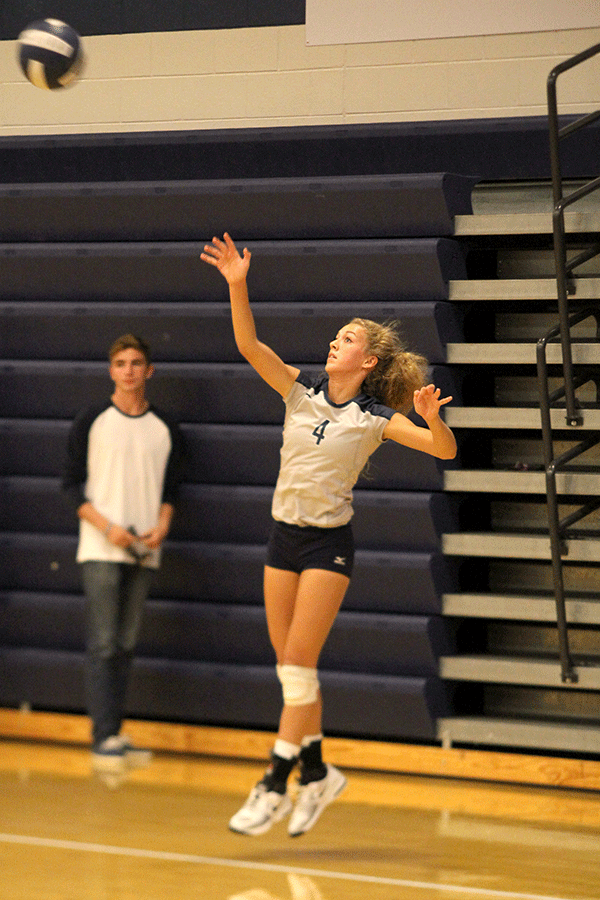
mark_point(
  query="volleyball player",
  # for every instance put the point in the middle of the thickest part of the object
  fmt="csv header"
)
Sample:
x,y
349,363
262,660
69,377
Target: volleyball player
x,y
332,425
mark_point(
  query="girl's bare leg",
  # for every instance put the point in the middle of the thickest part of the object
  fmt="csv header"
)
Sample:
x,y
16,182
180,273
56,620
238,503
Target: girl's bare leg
x,y
280,588
300,612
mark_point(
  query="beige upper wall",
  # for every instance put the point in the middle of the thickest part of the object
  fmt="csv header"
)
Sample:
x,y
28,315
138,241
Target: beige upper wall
x,y
263,77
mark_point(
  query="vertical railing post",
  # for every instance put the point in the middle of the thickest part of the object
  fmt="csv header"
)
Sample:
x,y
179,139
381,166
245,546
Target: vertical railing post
x,y
557,544
574,418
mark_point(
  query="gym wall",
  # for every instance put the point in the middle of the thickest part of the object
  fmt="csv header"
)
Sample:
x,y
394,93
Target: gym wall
x,y
180,71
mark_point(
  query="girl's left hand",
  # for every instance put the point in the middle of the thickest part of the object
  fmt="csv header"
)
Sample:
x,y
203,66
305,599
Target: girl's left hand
x,y
427,402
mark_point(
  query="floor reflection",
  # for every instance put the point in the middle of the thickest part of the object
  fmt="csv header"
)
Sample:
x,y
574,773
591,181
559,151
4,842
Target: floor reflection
x,y
69,833
301,887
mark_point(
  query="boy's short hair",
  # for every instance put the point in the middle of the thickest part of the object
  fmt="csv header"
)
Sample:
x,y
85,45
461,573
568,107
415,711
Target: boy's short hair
x,y
130,341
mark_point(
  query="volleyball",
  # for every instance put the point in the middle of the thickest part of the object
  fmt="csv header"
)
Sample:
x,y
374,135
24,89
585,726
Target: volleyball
x,y
50,54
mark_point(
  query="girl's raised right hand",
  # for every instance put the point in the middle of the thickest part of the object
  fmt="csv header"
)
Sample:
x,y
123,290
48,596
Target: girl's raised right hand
x,y
223,254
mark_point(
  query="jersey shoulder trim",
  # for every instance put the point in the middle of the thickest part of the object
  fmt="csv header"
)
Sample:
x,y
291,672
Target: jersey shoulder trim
x,y
373,406
316,382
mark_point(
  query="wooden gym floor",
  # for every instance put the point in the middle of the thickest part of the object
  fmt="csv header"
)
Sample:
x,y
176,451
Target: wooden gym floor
x,y
161,832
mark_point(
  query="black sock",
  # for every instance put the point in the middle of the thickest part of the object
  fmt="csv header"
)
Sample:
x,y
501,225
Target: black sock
x,y
276,776
312,767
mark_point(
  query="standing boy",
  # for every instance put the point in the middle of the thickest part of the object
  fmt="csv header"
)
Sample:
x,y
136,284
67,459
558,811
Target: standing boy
x,y
122,472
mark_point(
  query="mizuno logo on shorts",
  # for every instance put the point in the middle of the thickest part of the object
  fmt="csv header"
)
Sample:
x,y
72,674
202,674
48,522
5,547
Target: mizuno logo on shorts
x,y
339,561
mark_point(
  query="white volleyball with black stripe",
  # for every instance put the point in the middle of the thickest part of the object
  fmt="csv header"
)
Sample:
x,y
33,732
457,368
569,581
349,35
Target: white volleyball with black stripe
x,y
50,54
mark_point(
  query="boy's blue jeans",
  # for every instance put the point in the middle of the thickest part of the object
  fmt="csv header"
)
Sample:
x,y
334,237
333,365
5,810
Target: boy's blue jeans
x,y
115,594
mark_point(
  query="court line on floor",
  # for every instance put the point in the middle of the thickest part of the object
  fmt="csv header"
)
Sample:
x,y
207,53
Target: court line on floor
x,y
168,856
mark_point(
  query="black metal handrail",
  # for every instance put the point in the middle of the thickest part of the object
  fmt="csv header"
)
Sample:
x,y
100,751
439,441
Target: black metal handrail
x,y
557,528
564,269
566,287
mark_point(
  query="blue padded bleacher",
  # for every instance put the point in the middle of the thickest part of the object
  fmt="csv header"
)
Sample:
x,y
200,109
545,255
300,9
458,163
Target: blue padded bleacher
x,y
174,690
31,504
384,520
492,148
194,393
215,454
125,257
201,332
265,209
229,634
390,581
374,270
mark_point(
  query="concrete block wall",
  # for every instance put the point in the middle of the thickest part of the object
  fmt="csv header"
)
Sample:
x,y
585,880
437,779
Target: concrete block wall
x,y
269,77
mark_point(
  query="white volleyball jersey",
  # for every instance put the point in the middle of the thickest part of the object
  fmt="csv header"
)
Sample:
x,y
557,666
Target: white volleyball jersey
x,y
325,448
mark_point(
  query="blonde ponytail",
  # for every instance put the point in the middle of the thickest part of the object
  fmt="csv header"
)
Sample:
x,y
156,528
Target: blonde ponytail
x,y
399,373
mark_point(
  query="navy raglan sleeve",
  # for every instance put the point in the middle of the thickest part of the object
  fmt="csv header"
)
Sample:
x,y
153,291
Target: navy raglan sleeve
x,y
75,471
175,463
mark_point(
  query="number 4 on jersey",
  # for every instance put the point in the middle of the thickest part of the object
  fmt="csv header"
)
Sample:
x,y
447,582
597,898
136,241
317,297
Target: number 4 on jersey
x,y
319,431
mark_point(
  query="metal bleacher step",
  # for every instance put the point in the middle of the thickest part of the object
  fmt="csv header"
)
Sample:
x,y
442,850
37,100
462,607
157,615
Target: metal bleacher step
x,y
524,670
524,223
517,546
514,417
512,289
519,482
548,735
580,610
518,417
522,353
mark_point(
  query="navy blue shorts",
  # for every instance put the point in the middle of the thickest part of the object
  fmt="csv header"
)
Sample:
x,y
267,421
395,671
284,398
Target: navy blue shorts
x,y
296,548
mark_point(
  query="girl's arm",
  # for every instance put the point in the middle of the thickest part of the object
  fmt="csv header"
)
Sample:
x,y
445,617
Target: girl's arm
x,y
437,439
234,269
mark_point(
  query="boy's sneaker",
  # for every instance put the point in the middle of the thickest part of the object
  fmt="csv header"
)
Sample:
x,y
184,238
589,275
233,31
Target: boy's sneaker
x,y
109,756
313,798
116,753
135,757
261,810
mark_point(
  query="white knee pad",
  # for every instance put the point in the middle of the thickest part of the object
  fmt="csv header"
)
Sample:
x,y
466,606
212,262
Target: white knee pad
x,y
300,685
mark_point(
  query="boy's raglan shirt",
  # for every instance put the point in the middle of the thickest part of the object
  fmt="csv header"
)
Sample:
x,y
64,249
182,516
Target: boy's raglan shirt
x,y
126,467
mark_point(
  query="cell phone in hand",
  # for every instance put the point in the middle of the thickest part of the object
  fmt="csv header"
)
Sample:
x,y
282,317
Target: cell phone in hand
x,y
138,549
